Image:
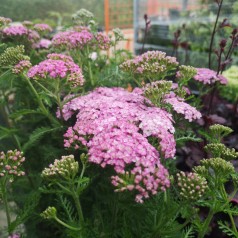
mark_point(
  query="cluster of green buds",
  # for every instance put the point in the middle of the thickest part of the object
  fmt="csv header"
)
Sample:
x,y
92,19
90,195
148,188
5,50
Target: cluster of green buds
x,y
215,168
11,164
220,150
22,66
185,73
4,21
191,185
82,17
13,55
66,168
118,34
49,213
156,91
217,132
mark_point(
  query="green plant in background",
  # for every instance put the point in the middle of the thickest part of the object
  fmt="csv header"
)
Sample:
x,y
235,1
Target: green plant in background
x,y
230,92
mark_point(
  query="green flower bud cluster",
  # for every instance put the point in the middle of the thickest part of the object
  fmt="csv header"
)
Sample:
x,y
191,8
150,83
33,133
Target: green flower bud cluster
x,y
10,164
215,167
66,168
217,132
13,55
186,72
49,213
220,150
4,21
118,34
82,16
155,91
191,185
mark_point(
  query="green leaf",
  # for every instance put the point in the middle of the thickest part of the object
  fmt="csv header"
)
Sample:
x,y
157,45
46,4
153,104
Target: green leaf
x,y
6,132
37,135
226,229
22,112
28,209
188,232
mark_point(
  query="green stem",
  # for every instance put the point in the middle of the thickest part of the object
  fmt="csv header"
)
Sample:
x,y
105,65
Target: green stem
x,y
64,188
213,34
45,89
66,225
205,225
41,105
5,202
233,225
78,206
89,68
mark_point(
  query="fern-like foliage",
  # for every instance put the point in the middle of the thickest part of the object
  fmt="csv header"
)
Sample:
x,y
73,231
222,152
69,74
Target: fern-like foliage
x,y
23,215
227,230
37,135
68,208
188,232
183,137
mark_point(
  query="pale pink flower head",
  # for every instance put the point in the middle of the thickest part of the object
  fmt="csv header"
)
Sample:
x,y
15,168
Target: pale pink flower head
x,y
42,27
15,31
115,125
179,105
72,39
103,41
33,36
42,44
208,76
57,68
21,66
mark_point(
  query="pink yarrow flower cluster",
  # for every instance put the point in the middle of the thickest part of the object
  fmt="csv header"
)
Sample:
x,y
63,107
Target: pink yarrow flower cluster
x,y
15,31
115,124
10,163
103,40
42,44
58,68
42,27
72,39
208,76
180,106
21,66
33,36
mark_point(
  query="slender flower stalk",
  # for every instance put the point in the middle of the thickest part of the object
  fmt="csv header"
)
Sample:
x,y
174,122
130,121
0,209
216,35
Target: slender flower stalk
x,y
214,32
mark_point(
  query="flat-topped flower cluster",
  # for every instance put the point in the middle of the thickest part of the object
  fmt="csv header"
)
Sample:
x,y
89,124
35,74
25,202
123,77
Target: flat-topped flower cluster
x,y
208,76
81,38
151,62
58,66
114,125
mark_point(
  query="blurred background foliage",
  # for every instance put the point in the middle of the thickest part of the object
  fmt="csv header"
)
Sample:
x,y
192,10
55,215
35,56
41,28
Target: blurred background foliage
x,y
55,12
